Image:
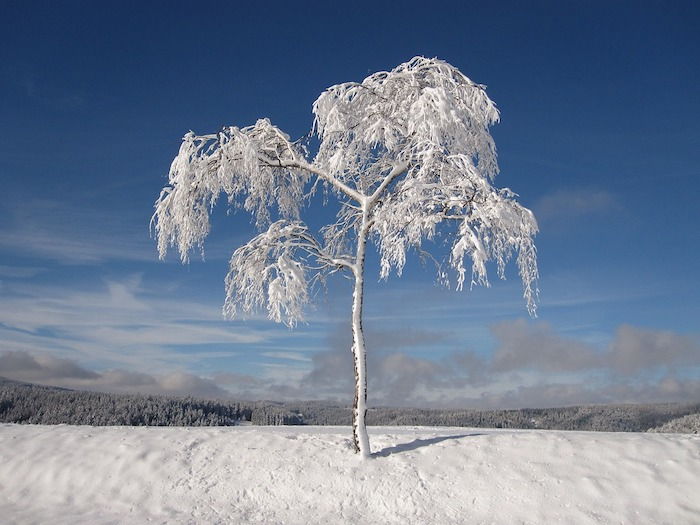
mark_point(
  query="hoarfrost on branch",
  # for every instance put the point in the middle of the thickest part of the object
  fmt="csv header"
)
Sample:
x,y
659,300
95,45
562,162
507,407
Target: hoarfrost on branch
x,y
407,156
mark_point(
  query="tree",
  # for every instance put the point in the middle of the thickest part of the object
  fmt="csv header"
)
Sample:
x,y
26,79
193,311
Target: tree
x,y
407,157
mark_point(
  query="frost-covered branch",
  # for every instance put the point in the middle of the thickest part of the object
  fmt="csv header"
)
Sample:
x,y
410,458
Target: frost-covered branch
x,y
406,155
418,136
408,149
257,167
395,172
274,272
228,162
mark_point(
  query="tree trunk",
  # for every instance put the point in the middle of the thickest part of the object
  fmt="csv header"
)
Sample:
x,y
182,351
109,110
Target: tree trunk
x,y
359,408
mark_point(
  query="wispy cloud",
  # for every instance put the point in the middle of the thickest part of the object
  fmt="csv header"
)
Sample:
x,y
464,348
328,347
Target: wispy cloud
x,y
638,365
121,323
74,233
574,203
20,272
79,232
287,356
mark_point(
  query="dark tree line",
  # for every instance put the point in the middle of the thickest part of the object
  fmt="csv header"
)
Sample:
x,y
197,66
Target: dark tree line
x,y
27,403
604,418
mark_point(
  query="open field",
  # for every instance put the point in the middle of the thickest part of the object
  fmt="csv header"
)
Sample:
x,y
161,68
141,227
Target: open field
x,y
93,475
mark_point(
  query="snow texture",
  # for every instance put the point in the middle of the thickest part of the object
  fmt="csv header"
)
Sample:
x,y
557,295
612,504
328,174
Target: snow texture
x,y
305,475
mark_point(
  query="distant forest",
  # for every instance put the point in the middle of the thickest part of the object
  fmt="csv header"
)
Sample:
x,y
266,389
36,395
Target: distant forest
x,y
34,404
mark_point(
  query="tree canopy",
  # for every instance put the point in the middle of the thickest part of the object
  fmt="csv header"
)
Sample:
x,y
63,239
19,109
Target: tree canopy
x,y
412,143
407,155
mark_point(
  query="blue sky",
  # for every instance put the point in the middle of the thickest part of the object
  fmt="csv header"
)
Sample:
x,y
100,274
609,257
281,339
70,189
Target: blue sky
x,y
599,135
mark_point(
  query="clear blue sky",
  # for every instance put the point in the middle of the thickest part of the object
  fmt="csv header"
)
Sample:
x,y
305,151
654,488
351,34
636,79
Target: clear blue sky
x,y
599,135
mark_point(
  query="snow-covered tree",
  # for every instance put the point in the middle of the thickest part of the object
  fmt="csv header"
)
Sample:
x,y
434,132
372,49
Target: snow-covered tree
x,y
407,157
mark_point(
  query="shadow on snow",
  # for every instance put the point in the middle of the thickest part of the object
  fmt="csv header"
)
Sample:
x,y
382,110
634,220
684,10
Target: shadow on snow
x,y
418,443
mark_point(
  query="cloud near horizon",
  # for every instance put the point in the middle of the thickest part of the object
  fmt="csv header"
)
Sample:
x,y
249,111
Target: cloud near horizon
x,y
47,370
120,323
531,366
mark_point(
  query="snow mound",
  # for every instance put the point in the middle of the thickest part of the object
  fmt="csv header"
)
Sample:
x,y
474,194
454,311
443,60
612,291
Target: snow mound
x,y
301,475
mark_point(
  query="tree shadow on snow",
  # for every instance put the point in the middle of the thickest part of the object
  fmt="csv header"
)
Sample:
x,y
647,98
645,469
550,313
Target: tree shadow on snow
x,y
418,443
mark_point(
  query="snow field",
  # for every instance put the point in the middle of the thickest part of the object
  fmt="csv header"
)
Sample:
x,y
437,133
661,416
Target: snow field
x,y
300,475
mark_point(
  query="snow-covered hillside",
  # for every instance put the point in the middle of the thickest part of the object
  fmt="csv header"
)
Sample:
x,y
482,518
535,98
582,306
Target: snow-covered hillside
x,y
93,475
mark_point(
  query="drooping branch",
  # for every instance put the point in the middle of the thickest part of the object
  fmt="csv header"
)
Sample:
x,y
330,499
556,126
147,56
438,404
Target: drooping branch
x,y
257,167
409,156
275,270
491,225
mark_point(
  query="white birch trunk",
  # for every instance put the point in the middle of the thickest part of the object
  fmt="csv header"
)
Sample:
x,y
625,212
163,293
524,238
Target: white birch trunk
x,y
359,409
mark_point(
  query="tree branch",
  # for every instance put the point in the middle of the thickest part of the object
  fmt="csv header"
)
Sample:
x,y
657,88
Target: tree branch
x,y
339,185
395,172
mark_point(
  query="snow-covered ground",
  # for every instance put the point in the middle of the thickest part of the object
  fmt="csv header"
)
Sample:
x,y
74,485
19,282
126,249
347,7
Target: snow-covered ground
x,y
94,475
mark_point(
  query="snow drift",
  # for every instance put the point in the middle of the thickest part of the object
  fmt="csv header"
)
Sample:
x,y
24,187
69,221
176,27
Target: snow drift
x,y
132,475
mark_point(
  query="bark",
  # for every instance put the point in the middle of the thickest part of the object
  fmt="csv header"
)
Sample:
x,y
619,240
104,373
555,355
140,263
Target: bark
x,y
359,409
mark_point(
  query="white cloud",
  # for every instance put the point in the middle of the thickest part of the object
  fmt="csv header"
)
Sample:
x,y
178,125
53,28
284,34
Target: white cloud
x,y
48,370
574,203
25,367
291,356
634,350
133,336
460,379
120,323
20,272
522,346
531,365
74,233
81,232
